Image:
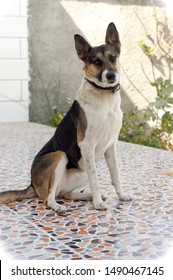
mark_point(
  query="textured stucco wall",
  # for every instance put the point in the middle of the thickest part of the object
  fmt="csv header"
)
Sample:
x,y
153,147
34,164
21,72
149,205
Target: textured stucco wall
x,y
55,70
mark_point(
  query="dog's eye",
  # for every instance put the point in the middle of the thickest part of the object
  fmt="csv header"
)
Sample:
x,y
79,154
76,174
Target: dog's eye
x,y
98,62
112,58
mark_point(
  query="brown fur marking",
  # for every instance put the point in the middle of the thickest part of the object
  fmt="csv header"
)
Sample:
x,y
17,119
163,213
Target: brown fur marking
x,y
43,173
82,125
93,70
10,196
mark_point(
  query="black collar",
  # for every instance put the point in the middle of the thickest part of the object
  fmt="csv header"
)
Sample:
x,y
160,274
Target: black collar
x,y
113,89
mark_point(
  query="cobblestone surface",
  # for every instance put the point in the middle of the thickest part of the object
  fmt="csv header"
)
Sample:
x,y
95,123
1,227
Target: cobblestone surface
x,y
139,229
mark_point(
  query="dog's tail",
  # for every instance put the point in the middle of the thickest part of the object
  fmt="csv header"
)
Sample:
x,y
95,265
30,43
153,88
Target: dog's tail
x,y
10,196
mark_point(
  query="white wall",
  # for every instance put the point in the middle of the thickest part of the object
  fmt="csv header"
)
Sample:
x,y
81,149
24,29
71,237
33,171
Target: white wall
x,y
14,93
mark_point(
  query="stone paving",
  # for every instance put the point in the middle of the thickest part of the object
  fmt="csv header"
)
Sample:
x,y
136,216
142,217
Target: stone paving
x,y
139,229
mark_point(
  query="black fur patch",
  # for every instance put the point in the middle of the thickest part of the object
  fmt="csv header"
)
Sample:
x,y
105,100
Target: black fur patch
x,y
65,137
93,53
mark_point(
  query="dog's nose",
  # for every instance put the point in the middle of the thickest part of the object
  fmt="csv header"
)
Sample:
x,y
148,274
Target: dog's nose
x,y
111,76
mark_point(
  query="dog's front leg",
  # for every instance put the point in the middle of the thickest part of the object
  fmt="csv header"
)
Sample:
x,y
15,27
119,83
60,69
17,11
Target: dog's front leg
x,y
88,157
111,159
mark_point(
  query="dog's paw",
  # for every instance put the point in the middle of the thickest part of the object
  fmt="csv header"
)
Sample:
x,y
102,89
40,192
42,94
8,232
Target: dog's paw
x,y
60,209
125,197
100,205
104,197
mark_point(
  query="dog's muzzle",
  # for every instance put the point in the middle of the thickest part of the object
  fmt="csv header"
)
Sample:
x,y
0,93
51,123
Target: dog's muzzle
x,y
111,77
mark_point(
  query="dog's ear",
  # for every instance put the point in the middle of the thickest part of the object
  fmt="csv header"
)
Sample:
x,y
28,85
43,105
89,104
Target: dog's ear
x,y
82,47
112,37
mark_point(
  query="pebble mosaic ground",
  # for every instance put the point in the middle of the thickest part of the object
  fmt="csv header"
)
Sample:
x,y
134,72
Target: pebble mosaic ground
x,y
139,229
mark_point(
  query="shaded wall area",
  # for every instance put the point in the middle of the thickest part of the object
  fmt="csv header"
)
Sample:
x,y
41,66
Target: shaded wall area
x,y
55,69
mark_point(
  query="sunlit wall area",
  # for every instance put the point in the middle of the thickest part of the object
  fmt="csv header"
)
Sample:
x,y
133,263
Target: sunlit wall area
x,y
14,96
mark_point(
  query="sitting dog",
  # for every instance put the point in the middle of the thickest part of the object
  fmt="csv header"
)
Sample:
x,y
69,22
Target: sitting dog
x,y
88,131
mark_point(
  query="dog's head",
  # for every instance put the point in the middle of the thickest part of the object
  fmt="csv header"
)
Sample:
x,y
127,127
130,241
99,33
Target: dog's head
x,y
101,62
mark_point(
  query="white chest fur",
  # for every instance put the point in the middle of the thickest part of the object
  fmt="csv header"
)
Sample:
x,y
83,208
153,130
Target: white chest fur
x,y
104,117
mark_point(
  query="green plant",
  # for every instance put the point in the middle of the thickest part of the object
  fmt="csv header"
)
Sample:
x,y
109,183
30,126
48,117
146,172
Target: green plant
x,y
136,127
57,115
133,127
153,125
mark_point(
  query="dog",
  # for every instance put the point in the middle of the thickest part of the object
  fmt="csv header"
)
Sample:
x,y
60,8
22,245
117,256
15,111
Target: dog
x,y
67,163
